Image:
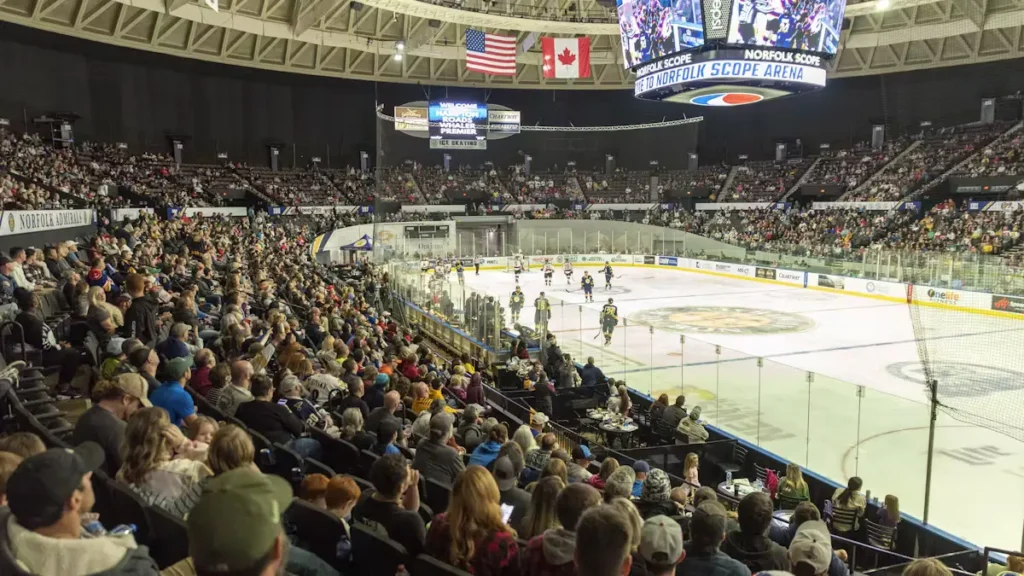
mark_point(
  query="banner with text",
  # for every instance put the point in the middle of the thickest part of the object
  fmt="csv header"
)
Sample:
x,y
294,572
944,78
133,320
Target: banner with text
x,y
28,221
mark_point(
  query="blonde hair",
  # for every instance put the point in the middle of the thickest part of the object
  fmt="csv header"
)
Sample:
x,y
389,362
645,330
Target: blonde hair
x,y
542,514
474,511
892,509
144,446
524,437
98,298
691,461
795,477
230,448
636,522
198,423
927,567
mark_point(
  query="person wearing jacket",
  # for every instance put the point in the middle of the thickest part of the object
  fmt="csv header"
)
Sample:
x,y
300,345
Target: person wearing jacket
x,y
703,558
551,553
655,498
487,452
47,531
141,319
692,428
750,544
475,390
576,470
470,434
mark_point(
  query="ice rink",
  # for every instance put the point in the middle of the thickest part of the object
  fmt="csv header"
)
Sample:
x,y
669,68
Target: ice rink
x,y
831,381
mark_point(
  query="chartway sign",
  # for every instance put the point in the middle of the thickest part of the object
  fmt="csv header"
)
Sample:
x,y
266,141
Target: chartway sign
x,y
28,221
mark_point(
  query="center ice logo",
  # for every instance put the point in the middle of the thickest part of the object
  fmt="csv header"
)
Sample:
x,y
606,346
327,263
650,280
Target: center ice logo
x,y
724,320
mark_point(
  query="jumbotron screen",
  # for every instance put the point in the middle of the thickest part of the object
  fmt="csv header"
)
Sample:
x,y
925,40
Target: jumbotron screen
x,y
806,25
652,29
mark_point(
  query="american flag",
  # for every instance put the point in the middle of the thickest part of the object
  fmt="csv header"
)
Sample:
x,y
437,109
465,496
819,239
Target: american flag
x,y
490,53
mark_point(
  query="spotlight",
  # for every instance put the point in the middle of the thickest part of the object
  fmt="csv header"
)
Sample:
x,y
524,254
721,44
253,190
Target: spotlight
x,y
398,57
400,46
882,5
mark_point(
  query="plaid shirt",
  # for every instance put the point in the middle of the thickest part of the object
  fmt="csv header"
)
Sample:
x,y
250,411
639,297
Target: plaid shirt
x,y
538,458
496,554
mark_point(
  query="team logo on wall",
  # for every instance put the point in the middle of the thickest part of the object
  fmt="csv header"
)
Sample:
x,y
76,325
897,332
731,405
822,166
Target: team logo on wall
x,y
960,379
724,320
10,222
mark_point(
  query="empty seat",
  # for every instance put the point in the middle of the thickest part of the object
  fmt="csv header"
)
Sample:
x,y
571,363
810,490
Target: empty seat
x,y
168,537
318,531
374,554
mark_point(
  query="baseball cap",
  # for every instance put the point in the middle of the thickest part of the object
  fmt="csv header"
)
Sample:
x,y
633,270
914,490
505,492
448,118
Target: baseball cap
x,y
641,467
661,541
114,347
540,418
176,368
581,452
504,473
42,484
812,544
240,497
134,385
441,423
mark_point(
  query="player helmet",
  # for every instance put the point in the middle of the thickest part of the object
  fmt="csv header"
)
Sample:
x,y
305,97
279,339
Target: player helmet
x,y
609,300
541,293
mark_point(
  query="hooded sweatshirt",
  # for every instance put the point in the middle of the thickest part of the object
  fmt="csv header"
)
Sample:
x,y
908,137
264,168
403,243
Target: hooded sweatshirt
x,y
485,454
757,553
140,320
550,554
45,556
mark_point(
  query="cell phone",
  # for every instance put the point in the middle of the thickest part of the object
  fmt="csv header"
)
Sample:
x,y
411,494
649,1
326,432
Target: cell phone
x,y
506,513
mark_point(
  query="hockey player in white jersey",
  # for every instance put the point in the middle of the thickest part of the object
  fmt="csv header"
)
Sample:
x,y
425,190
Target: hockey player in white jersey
x,y
549,271
567,269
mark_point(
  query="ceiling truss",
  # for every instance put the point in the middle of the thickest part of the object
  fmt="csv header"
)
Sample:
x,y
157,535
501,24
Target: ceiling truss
x,y
350,39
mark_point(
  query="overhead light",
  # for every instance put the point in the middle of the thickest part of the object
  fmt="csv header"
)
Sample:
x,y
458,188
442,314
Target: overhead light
x,y
882,5
400,45
398,57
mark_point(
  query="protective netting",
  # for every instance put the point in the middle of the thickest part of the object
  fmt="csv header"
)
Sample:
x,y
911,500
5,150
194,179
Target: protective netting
x,y
975,358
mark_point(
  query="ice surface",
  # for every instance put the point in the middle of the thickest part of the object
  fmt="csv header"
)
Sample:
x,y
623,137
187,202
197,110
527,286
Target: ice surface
x,y
840,393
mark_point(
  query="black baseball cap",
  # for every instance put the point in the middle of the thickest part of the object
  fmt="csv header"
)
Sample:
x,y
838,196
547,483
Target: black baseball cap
x,y
42,484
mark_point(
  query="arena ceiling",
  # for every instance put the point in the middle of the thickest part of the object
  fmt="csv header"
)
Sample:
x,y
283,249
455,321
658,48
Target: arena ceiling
x,y
357,39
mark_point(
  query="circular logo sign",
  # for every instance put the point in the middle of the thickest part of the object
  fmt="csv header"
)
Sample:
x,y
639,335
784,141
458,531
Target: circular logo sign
x,y
727,99
960,379
723,320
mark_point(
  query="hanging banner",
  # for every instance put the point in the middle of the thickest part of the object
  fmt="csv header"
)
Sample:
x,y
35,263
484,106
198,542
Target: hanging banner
x,y
27,221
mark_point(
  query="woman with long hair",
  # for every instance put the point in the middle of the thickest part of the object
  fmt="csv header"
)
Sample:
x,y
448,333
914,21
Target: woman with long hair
x,y
98,300
524,437
541,514
607,467
471,535
794,485
658,408
149,466
889,514
352,429
849,498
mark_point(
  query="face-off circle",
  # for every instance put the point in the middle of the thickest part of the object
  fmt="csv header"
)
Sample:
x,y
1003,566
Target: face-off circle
x,y
723,320
599,292
960,379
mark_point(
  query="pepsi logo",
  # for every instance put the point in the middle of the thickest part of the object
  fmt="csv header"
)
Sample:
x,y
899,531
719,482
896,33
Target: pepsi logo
x,y
726,99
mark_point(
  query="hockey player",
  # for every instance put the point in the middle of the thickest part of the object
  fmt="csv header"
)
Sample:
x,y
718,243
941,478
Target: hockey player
x,y
542,313
609,318
567,269
588,286
549,271
517,266
515,303
476,264
424,266
607,270
460,270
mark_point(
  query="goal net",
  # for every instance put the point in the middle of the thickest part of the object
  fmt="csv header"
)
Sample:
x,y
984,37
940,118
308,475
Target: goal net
x,y
974,357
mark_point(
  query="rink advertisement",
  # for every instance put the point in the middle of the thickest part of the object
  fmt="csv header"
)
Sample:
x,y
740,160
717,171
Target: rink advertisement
x,y
1012,304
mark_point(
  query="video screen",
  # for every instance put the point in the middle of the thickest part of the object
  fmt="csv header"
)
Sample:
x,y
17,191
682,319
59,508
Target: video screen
x,y
811,25
457,120
653,29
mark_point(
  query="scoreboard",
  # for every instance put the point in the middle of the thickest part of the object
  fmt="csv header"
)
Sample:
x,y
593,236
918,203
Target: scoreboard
x,y
457,125
426,231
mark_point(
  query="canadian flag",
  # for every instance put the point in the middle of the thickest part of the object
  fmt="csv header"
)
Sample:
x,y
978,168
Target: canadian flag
x,y
566,57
